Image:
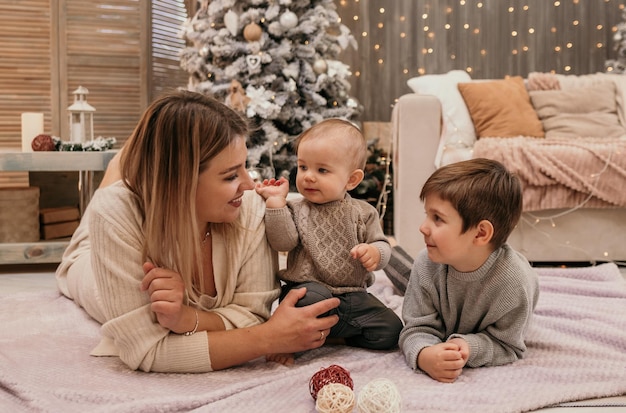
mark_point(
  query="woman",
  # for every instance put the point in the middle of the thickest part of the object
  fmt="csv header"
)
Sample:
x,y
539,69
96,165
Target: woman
x,y
171,256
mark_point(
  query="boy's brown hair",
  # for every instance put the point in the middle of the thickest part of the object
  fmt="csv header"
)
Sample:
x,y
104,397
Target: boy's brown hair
x,y
479,189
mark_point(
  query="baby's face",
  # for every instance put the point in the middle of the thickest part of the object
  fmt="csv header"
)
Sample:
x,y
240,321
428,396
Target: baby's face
x,y
323,171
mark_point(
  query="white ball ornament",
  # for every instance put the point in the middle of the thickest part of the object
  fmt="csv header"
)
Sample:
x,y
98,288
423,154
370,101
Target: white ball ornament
x,y
379,396
320,66
288,20
255,174
335,398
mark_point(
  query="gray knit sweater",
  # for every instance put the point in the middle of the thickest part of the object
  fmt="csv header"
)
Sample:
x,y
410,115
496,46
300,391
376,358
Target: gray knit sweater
x,y
489,308
319,238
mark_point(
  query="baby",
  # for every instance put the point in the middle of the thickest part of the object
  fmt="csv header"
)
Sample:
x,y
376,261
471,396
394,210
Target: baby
x,y
334,241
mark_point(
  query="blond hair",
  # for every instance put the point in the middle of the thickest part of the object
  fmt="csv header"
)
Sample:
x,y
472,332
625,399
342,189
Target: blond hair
x,y
174,141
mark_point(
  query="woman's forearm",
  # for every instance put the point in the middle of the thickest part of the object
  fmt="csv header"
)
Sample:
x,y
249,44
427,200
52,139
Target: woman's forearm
x,y
233,347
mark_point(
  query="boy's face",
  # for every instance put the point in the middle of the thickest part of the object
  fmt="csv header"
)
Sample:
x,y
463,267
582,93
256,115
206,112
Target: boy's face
x,y
442,235
324,174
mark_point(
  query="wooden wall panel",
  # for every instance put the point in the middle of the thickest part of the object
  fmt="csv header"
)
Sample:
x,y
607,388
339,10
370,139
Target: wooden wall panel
x,y
50,47
401,39
25,83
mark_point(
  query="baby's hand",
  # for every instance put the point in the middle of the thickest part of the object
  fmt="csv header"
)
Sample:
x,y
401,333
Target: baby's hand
x,y
368,254
274,191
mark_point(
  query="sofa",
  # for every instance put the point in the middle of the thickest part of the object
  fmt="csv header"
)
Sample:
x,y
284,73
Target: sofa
x,y
563,135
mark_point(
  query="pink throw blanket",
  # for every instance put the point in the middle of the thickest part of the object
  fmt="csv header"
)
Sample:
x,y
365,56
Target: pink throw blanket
x,y
563,173
576,350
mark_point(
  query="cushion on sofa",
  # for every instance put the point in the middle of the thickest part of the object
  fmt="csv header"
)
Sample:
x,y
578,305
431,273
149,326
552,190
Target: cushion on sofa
x,y
576,81
579,112
458,129
542,81
501,108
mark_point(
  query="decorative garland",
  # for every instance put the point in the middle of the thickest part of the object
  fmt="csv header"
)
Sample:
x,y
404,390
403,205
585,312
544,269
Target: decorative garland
x,y
43,142
98,144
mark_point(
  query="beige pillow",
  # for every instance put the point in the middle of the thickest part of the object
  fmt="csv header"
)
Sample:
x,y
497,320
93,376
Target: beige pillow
x,y
580,112
501,108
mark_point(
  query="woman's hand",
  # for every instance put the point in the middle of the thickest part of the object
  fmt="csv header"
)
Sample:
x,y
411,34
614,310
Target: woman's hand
x,y
167,293
299,328
289,330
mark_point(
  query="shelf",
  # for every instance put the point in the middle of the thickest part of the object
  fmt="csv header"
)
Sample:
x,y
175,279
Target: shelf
x,y
55,161
33,252
51,251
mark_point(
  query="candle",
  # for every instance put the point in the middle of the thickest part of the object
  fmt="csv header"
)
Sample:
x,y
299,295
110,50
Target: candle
x,y
32,125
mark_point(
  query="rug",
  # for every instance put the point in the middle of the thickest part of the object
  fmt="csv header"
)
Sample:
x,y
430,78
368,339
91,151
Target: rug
x,y
577,350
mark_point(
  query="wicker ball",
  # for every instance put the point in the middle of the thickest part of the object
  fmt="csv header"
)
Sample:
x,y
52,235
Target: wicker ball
x,y
332,374
42,143
335,398
379,396
252,32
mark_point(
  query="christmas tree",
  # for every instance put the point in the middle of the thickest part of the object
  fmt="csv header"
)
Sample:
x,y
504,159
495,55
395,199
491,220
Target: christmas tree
x,y
275,61
618,65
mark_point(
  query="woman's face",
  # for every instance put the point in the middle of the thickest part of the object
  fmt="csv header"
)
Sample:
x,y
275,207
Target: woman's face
x,y
221,185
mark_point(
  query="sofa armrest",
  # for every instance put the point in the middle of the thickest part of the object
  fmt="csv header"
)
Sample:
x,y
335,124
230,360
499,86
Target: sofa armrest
x,y
416,125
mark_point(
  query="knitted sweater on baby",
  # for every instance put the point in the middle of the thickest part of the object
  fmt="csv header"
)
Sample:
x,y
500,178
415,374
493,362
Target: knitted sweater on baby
x,y
319,238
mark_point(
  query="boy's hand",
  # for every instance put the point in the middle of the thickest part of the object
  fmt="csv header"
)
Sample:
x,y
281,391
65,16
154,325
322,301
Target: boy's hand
x,y
368,254
274,191
443,362
463,347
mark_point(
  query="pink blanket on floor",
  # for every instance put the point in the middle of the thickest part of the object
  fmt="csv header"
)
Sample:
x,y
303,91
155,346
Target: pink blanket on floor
x,y
563,173
577,350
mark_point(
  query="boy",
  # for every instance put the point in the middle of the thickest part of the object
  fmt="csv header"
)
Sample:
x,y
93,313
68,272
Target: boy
x,y
470,296
334,241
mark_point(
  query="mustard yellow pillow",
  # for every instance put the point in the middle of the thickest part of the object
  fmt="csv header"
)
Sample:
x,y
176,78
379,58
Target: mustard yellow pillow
x,y
501,108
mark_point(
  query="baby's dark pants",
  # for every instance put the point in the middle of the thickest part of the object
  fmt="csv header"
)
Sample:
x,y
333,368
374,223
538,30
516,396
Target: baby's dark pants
x,y
363,320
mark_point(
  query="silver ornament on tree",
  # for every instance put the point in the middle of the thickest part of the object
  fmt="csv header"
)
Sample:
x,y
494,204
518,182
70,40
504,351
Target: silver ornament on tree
x,y
253,61
288,20
255,174
231,21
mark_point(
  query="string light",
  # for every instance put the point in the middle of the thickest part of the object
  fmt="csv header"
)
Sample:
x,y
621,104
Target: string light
x,y
421,32
552,219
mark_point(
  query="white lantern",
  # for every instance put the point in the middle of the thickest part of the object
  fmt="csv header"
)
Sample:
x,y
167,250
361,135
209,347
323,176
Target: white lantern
x,y
81,117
